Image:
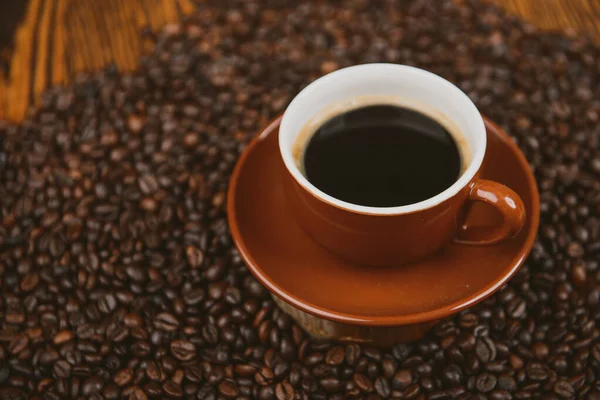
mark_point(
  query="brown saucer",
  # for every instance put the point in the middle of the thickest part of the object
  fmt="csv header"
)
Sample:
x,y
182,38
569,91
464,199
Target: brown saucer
x,y
316,283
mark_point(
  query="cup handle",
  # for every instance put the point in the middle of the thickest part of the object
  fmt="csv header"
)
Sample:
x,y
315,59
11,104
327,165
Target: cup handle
x,y
506,201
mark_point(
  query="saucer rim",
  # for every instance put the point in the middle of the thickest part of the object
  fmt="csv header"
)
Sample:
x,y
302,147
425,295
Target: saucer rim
x,y
387,320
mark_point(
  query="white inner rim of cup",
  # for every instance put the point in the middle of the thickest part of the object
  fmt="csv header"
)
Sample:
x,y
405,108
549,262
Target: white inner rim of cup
x,y
385,80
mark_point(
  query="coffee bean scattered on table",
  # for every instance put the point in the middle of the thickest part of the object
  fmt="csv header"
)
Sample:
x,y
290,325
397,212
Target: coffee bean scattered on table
x,y
118,276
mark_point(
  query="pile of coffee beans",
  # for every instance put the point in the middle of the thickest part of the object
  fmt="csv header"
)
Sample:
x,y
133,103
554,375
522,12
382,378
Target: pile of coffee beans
x,y
118,276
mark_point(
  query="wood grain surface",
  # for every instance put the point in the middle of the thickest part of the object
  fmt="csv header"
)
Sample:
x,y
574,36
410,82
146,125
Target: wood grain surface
x,y
56,39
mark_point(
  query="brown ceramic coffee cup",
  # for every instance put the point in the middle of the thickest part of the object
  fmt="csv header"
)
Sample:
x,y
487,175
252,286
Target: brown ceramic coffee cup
x,y
388,236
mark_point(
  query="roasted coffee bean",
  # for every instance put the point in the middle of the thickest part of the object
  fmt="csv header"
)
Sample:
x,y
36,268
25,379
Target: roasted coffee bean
x,y
61,369
91,386
382,387
264,376
284,391
401,352
4,374
536,371
111,391
330,385
309,384
452,374
193,297
154,372
362,382
486,382
335,355
389,367
63,337
564,389
313,359
172,389
402,379
183,350
166,322
228,389
18,344
540,351
412,391
485,349
506,382
353,352
193,373
266,392
123,377
138,394
30,281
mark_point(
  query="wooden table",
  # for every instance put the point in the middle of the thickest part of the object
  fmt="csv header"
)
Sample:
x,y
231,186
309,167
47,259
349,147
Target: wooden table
x,y
47,42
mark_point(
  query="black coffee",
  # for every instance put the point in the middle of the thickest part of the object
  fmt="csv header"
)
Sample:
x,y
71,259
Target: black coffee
x,y
382,156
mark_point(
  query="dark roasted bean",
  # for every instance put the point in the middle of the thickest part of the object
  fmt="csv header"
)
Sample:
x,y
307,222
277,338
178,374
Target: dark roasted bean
x,y
172,389
485,382
401,352
228,389
362,382
123,377
402,379
61,369
352,353
284,391
382,387
154,372
485,349
18,344
389,367
536,371
564,389
335,355
166,322
183,350
92,385
330,385
506,382
452,374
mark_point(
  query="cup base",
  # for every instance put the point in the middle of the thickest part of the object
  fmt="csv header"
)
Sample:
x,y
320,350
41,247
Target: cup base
x,y
379,336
